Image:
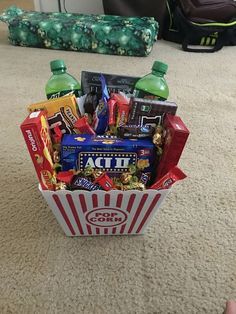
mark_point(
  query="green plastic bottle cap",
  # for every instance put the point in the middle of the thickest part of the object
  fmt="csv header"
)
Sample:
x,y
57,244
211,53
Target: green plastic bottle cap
x,y
160,67
57,65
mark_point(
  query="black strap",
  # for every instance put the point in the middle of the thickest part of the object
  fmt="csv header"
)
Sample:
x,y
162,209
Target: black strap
x,y
218,45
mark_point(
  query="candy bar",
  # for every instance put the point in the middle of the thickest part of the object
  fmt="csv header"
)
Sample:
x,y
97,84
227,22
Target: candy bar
x,y
106,153
176,135
174,175
57,135
112,112
101,115
122,108
36,134
90,82
83,126
65,176
144,178
149,112
105,182
61,112
81,183
90,103
135,131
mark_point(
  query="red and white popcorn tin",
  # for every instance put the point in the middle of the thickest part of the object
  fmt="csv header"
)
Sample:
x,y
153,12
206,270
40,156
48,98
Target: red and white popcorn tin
x,y
83,213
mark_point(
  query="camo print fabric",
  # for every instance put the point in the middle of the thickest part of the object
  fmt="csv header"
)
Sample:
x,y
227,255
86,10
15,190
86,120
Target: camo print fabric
x,y
107,34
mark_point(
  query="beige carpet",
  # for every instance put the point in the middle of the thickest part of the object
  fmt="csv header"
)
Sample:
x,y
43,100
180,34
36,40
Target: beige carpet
x,y
186,262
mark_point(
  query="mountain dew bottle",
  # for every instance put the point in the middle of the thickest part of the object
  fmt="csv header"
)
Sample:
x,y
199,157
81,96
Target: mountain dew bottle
x,y
61,83
153,85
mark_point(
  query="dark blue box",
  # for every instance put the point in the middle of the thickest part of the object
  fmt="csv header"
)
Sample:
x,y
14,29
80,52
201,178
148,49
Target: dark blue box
x,y
110,154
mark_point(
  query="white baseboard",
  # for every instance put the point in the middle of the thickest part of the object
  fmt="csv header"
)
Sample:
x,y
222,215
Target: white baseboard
x,y
72,6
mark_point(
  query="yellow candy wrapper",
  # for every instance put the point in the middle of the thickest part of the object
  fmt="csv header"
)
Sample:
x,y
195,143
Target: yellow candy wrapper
x,y
61,112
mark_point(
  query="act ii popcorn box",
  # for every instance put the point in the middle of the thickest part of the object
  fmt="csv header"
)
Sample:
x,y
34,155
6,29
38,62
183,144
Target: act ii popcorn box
x,y
111,154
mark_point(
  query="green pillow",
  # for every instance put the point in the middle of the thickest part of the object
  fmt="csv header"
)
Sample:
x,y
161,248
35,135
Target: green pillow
x,y
107,34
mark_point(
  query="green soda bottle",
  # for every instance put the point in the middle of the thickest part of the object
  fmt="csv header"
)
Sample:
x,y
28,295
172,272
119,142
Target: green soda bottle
x,y
61,83
153,85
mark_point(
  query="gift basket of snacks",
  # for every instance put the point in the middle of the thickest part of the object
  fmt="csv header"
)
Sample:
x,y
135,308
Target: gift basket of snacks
x,y
106,159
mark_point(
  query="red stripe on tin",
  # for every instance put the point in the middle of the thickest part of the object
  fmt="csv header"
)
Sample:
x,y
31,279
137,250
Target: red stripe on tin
x,y
122,229
114,230
153,204
97,231
105,230
83,203
95,200
63,213
74,212
89,229
107,200
130,203
137,212
119,200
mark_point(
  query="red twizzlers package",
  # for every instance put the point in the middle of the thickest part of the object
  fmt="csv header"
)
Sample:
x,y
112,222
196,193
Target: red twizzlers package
x,y
35,130
176,135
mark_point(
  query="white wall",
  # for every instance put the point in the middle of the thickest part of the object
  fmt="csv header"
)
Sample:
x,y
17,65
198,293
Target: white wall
x,y
46,6
72,6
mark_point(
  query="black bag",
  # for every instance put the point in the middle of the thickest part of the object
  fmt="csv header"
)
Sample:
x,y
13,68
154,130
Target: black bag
x,y
208,34
150,8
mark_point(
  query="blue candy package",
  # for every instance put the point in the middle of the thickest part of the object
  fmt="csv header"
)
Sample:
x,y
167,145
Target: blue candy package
x,y
101,114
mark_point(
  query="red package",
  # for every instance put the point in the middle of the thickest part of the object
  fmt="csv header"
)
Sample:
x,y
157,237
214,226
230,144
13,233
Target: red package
x,y
112,111
65,176
83,126
122,107
176,135
174,175
58,135
105,182
35,130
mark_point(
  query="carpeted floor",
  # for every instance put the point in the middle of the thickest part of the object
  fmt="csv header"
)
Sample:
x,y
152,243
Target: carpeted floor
x,y
186,262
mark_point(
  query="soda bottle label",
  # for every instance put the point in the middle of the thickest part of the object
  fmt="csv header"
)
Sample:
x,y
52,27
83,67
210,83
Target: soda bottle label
x,y
76,92
146,95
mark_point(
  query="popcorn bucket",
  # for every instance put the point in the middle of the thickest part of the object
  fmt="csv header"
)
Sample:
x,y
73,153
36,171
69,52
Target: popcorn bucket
x,y
83,213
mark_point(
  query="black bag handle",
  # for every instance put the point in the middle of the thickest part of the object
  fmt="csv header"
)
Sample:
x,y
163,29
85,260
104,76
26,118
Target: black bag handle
x,y
218,45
